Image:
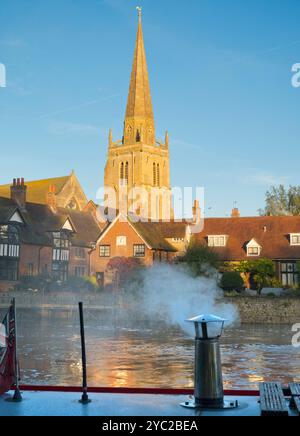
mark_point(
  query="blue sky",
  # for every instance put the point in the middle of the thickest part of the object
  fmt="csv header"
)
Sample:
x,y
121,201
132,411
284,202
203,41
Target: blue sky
x,y
220,75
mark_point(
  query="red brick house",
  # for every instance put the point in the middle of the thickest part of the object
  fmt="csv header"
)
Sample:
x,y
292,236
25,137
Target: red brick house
x,y
61,241
277,238
146,241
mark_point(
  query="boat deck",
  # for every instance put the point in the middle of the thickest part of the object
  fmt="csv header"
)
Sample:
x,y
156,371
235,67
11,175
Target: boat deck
x,y
59,403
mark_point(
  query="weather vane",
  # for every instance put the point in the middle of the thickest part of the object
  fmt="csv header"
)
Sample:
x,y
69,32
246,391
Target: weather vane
x,y
139,9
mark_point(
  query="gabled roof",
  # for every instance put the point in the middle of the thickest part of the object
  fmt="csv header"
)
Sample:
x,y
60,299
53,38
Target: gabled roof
x,y
40,222
271,233
37,190
7,212
152,234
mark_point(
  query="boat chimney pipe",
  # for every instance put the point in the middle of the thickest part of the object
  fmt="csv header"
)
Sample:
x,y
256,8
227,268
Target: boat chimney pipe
x,y
209,392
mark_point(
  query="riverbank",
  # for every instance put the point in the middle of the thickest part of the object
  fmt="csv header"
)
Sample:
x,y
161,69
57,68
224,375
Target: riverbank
x,y
253,310
267,310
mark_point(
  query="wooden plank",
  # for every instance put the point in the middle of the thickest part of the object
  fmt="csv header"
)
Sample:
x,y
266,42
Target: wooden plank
x,y
272,400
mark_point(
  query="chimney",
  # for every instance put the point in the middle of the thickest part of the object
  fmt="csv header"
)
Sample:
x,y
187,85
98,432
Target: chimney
x,y
196,212
235,213
51,198
18,192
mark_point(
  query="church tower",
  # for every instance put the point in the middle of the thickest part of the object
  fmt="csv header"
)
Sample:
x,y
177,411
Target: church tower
x,y
138,167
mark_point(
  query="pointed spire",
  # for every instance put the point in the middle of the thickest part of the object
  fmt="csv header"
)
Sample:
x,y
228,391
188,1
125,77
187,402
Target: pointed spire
x,y
110,137
167,139
139,111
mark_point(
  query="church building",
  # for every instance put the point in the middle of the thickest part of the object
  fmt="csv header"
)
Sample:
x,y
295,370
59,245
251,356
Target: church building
x,y
137,171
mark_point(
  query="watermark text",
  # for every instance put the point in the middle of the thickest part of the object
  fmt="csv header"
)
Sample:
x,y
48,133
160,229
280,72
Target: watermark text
x,y
2,76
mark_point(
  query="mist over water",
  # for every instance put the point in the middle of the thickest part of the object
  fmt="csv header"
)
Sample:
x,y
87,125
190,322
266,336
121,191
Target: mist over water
x,y
170,294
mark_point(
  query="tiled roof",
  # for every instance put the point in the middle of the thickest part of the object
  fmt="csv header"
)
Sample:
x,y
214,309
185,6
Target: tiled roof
x,y
154,234
38,189
40,221
272,233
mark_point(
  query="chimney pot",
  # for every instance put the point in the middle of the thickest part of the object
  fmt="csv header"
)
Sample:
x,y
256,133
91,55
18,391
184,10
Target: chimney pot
x,y
18,191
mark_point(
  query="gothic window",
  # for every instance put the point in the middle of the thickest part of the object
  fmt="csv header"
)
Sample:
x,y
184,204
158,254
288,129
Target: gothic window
x,y
138,136
154,175
61,255
9,252
158,175
122,171
126,172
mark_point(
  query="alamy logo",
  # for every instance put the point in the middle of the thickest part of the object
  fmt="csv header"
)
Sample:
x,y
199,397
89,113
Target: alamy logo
x,y
296,76
2,76
296,337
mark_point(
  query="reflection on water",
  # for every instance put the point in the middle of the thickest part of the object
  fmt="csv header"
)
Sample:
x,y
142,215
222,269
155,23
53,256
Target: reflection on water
x,y
145,356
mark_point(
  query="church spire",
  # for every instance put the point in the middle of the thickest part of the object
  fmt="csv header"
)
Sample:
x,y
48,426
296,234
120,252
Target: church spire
x,y
139,119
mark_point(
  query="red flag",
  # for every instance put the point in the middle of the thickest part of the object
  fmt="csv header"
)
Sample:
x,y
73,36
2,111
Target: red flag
x,y
8,352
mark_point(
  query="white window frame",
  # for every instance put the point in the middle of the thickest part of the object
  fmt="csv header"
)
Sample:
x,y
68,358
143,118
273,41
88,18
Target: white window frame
x,y
295,235
253,245
215,240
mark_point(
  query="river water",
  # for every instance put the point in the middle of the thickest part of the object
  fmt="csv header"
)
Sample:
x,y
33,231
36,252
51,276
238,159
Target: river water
x,y
146,355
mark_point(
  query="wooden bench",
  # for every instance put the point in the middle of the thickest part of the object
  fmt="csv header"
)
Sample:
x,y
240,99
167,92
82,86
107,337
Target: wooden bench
x,y
295,396
272,400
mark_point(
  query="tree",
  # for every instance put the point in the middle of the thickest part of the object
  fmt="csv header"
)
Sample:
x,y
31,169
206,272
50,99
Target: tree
x,y
281,201
125,269
232,281
262,272
201,259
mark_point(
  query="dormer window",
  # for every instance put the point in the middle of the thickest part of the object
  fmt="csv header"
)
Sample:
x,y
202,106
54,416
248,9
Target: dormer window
x,y
253,248
217,240
295,239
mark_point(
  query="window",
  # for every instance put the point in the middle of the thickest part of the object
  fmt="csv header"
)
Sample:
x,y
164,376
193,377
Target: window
x,y
121,241
9,269
124,173
60,271
289,273
154,175
79,271
295,238
61,255
217,241
253,248
139,250
30,270
80,253
253,251
104,250
9,252
9,241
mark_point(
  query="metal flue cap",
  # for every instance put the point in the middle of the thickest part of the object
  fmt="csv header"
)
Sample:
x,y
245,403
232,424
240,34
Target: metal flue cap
x,y
206,319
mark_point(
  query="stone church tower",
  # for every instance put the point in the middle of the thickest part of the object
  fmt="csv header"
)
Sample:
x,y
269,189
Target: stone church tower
x,y
138,167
